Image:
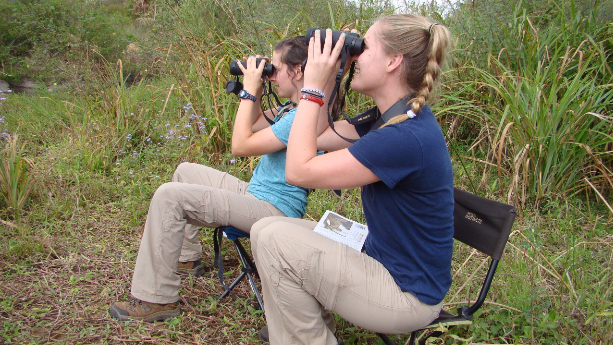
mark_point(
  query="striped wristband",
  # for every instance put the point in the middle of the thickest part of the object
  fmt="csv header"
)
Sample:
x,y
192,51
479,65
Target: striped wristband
x,y
312,94
314,91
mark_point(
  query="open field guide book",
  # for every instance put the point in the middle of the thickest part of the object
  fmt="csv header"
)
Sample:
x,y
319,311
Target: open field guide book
x,y
343,230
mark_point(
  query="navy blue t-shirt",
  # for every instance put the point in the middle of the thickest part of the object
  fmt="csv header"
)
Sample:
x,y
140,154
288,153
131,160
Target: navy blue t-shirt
x,y
409,212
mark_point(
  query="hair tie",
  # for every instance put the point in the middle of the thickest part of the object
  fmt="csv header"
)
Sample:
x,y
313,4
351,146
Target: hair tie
x,y
430,28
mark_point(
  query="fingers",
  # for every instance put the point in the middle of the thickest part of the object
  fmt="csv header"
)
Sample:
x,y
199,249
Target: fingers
x,y
327,51
317,45
240,65
310,52
339,45
327,43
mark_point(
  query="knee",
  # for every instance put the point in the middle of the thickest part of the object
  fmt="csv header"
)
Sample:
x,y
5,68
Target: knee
x,y
264,222
166,191
181,171
262,232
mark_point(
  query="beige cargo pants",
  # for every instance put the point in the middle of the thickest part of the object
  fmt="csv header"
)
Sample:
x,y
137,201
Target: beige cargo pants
x,y
305,276
198,196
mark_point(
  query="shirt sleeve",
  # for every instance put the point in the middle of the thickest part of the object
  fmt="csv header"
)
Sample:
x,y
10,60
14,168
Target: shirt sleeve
x,y
390,153
282,127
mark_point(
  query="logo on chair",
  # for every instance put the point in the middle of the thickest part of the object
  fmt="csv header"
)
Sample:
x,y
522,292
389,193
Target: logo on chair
x,y
473,217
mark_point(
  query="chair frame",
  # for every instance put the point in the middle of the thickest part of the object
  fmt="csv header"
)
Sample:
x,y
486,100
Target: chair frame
x,y
248,268
469,207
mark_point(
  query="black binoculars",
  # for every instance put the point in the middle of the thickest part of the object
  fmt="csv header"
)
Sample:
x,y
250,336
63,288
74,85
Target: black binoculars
x,y
353,42
268,71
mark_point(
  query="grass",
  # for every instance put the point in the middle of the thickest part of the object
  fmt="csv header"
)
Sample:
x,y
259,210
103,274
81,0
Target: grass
x,y
98,152
16,180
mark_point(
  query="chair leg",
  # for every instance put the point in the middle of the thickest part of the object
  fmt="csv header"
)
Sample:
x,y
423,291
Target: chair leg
x,y
234,283
249,268
385,339
255,291
412,338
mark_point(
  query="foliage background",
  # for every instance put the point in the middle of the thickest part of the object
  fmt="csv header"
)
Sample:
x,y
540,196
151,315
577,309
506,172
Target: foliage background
x,y
127,92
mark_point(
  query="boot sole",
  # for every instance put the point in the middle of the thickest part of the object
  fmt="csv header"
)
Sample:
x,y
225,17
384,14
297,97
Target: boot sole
x,y
159,316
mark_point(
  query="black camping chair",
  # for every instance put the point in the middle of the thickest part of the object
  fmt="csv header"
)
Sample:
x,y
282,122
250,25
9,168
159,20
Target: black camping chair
x,y
248,267
484,225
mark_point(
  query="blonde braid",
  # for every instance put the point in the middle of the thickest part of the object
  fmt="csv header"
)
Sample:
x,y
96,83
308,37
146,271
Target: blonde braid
x,y
433,68
423,45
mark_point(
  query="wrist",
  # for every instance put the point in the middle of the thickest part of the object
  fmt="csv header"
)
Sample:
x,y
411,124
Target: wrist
x,y
312,98
244,94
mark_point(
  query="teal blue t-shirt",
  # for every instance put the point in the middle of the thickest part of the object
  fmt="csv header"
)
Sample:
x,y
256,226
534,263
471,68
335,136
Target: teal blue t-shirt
x,y
268,182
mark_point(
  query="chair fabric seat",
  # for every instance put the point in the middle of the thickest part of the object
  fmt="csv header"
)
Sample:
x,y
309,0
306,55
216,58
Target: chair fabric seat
x,y
233,233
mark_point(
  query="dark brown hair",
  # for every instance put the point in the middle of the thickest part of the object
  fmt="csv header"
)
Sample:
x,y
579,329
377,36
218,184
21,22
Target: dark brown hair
x,y
294,51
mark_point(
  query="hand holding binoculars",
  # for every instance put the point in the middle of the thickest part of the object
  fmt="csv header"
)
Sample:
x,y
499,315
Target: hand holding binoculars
x,y
354,45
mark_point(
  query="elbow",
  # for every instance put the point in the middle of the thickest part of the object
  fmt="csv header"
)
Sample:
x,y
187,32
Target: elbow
x,y
236,150
293,177
239,147
290,178
239,153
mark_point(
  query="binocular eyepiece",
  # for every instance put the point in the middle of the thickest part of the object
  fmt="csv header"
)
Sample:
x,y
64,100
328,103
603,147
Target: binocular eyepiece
x,y
268,71
353,42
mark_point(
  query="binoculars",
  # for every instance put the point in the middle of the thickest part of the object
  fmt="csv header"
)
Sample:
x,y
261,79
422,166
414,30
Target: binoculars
x,y
353,42
268,71
354,45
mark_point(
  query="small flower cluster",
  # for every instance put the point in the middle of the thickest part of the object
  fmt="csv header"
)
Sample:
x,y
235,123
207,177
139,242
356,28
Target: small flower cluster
x,y
138,151
4,132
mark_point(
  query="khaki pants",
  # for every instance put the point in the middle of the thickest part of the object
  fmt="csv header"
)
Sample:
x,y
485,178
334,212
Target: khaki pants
x,y
305,276
198,196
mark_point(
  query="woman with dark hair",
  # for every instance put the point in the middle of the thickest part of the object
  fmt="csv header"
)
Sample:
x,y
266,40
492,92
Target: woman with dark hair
x,y
200,196
404,170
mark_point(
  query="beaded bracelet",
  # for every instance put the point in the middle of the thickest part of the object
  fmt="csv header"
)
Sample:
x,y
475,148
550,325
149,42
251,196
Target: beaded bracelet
x,y
312,94
313,99
319,92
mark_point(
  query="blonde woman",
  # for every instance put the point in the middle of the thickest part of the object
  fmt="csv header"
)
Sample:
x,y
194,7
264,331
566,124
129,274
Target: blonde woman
x,y
403,167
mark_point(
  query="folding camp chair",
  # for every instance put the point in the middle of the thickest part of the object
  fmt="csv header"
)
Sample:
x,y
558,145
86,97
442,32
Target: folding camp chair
x,y
248,267
484,225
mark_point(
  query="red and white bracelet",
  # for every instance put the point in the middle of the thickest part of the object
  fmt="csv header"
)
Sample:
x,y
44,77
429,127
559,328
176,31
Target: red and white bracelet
x,y
312,99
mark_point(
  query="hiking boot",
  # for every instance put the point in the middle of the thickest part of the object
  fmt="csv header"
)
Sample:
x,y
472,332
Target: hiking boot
x,y
137,310
263,336
193,268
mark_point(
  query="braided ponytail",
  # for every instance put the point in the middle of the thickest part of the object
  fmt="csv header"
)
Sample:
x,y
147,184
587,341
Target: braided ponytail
x,y
423,45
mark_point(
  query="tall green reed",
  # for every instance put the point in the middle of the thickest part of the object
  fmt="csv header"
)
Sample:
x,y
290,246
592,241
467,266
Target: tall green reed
x,y
548,104
16,179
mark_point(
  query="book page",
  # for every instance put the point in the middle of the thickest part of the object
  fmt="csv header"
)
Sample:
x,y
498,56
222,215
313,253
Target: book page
x,y
342,230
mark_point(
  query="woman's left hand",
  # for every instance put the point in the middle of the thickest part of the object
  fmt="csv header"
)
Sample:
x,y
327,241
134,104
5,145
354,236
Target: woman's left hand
x,y
252,74
322,63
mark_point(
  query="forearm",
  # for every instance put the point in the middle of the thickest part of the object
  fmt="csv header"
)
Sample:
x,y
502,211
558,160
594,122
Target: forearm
x,y
302,146
323,110
246,116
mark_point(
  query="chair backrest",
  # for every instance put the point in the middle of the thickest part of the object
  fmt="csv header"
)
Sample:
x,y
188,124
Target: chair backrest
x,y
482,223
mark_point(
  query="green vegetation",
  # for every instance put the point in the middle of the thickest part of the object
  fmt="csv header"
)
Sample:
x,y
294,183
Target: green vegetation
x,y
132,92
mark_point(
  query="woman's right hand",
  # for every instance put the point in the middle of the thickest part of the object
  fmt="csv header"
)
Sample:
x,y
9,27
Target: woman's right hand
x,y
322,62
252,80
